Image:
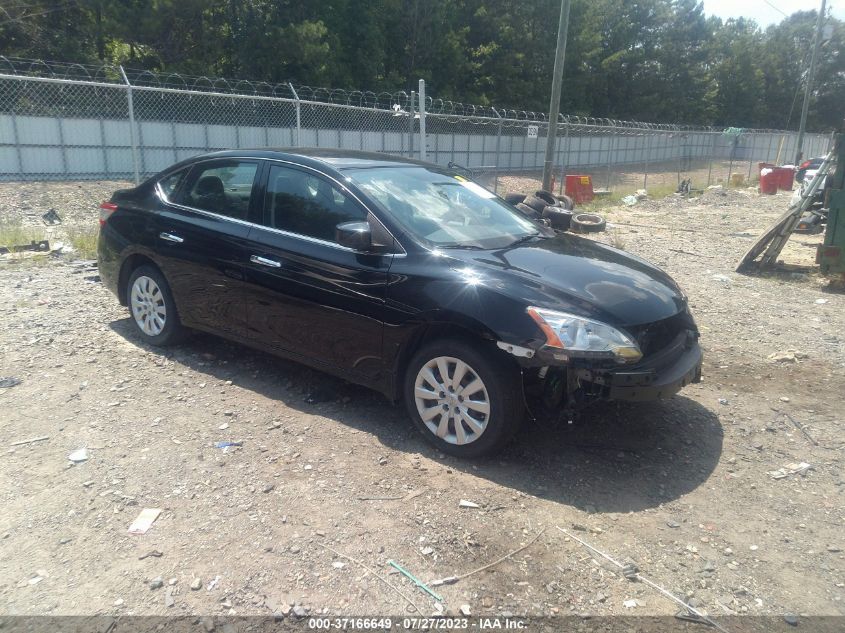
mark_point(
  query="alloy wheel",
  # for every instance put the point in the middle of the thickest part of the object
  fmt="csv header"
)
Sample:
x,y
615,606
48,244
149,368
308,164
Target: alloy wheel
x,y
147,304
452,400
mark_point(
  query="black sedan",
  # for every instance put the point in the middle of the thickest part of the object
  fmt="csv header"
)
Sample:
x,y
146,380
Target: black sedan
x,y
401,276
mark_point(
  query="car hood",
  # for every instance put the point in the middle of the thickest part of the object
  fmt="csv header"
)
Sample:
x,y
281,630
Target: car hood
x,y
579,275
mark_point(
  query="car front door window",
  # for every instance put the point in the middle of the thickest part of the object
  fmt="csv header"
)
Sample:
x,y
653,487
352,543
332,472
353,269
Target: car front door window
x,y
304,204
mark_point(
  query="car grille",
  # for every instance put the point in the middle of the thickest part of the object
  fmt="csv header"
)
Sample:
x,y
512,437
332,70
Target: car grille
x,y
653,337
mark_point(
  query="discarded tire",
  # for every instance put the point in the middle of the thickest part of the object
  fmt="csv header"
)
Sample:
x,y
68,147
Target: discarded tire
x,y
538,204
548,196
588,223
566,202
514,198
558,217
529,212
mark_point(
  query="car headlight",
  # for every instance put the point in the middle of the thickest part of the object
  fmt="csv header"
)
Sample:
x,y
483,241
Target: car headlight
x,y
585,338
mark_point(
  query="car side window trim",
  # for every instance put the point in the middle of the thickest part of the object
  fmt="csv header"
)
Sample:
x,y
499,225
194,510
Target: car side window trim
x,y
259,187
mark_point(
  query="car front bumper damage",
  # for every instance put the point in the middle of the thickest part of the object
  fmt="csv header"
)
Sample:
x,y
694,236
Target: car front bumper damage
x,y
578,382
660,376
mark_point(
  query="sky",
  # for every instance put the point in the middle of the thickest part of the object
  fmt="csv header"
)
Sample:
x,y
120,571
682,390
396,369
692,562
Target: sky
x,y
764,13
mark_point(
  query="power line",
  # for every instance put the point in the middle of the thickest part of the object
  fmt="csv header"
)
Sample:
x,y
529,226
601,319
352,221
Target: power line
x,y
775,8
21,18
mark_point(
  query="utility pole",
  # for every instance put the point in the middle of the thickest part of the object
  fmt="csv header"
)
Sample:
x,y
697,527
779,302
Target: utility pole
x,y
817,42
554,104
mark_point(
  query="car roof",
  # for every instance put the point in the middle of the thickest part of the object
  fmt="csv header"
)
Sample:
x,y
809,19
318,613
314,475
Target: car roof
x,y
339,159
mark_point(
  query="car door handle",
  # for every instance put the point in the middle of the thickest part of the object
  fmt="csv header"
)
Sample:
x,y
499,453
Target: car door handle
x,y
169,237
263,261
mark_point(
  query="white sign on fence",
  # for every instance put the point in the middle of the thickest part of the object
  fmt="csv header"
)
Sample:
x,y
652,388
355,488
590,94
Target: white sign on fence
x,y
532,131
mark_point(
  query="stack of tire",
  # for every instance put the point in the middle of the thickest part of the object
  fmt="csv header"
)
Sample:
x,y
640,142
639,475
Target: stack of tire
x,y
557,211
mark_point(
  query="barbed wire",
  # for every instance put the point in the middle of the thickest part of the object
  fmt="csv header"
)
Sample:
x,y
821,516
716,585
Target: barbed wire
x,y
399,101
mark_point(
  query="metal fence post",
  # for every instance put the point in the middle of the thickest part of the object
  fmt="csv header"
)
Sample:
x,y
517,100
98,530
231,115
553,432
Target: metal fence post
x,y
132,131
498,145
680,149
411,126
734,145
298,116
421,98
647,158
610,140
751,156
712,155
16,139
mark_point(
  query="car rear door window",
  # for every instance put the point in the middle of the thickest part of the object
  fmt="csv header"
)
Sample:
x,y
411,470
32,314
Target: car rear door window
x,y
306,204
222,187
170,184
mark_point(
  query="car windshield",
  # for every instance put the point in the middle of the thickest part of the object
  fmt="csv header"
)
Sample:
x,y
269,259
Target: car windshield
x,y
443,210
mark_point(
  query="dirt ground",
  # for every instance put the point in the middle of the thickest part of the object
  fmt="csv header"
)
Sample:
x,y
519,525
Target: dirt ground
x,y
331,478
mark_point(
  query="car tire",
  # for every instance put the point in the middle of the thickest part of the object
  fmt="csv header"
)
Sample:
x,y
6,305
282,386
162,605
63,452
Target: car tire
x,y
514,198
152,308
588,223
497,408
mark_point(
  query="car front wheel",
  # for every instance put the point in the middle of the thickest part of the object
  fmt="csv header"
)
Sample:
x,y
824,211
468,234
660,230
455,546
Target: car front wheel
x,y
466,400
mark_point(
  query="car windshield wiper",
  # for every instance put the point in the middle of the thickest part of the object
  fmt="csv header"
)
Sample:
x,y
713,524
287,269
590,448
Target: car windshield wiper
x,y
526,238
471,247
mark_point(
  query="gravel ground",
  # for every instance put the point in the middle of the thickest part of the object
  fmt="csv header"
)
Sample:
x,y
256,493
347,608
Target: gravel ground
x,y
331,478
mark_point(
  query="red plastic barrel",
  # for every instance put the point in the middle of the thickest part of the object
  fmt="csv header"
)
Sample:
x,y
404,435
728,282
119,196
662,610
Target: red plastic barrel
x,y
786,176
579,188
769,182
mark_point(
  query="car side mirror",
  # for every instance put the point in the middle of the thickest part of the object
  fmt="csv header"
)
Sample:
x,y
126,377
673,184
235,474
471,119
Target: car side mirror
x,y
355,235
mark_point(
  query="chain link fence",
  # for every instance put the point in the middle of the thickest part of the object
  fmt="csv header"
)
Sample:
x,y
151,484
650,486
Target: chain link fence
x,y
76,122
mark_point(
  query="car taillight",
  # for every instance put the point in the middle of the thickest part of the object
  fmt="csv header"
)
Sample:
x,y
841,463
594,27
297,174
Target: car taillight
x,y
106,209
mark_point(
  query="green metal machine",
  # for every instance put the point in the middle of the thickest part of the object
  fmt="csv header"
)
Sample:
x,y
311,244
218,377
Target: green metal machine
x,y
831,254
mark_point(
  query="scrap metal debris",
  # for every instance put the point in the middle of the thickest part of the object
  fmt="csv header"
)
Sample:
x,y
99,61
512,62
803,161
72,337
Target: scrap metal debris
x,y
419,583
801,428
377,575
31,440
51,217
451,580
37,246
635,576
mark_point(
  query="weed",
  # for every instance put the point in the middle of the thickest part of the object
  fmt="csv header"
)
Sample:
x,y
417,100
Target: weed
x,y
84,242
15,234
617,241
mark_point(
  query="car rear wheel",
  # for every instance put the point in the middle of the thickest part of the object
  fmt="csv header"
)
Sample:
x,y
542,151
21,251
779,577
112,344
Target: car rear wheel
x,y
153,309
465,400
